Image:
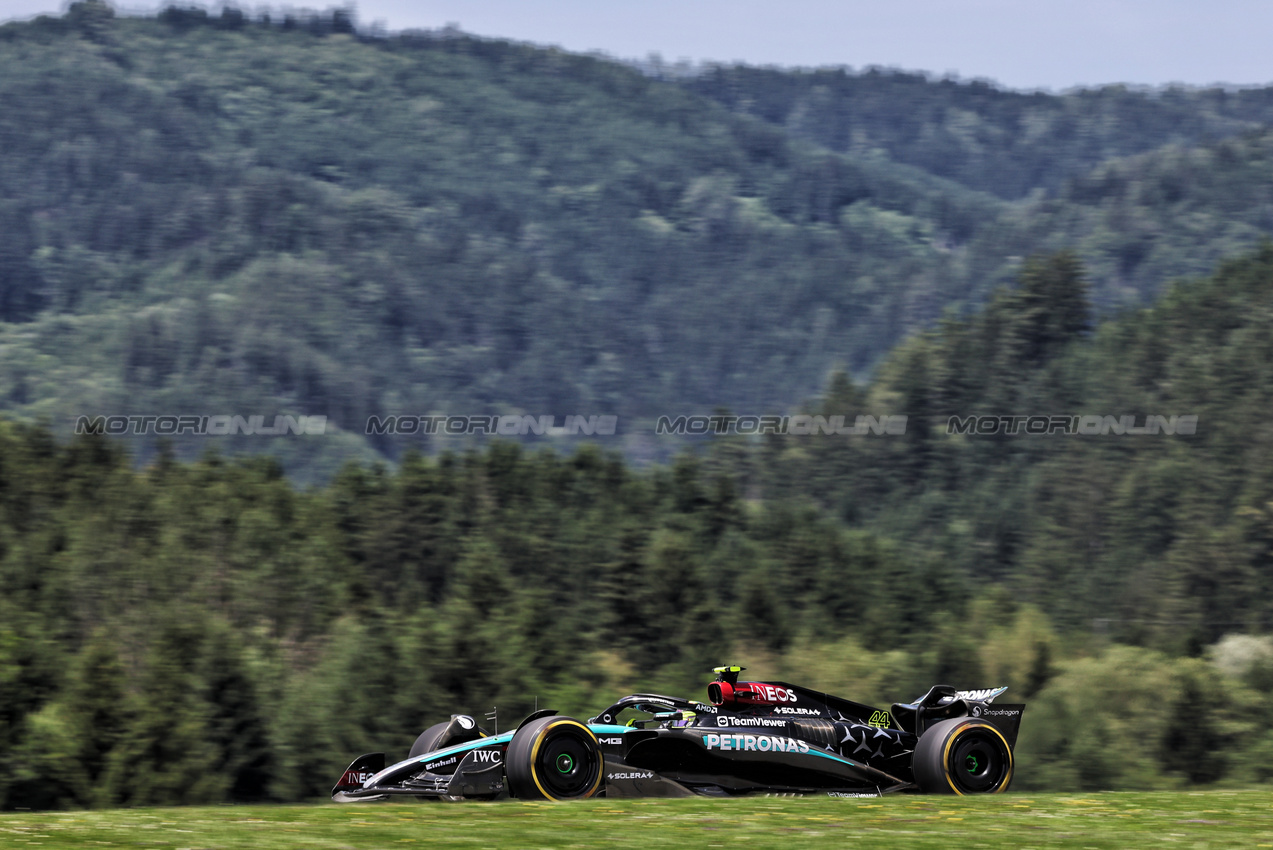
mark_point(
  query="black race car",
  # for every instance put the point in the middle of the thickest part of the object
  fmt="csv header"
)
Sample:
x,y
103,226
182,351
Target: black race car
x,y
753,737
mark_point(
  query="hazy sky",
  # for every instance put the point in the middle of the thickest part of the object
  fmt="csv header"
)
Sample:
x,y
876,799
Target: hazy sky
x,y
1052,44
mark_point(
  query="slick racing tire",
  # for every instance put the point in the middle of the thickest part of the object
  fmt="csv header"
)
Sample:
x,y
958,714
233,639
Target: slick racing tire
x,y
554,758
962,756
428,740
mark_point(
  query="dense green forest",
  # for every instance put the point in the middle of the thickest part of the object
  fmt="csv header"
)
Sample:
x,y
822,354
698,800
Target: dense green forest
x,y
207,631
224,214
421,224
1163,538
1004,142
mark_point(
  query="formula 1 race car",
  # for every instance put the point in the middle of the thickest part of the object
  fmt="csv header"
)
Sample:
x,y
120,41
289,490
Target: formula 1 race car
x,y
754,737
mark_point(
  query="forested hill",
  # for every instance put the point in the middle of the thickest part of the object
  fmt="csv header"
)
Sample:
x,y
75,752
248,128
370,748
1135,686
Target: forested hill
x,y
208,632
1160,537
223,215
273,218
1004,142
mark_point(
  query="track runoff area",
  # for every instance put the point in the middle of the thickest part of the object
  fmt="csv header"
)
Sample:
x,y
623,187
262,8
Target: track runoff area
x,y
1213,818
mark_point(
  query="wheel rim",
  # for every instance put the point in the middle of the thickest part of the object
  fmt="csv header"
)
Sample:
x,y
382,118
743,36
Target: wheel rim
x,y
567,764
978,762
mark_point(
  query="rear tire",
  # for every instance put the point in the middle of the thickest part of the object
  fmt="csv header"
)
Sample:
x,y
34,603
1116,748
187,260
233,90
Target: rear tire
x,y
428,740
554,758
962,756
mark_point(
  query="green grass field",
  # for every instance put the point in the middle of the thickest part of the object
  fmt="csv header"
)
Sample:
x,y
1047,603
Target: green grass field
x,y
1122,820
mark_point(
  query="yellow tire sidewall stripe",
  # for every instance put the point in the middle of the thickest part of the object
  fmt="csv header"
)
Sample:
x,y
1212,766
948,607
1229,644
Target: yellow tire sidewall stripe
x,y
534,757
950,742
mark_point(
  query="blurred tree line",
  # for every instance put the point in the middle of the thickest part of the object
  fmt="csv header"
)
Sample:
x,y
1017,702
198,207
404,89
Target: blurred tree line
x,y
1008,143
207,631
1158,539
275,212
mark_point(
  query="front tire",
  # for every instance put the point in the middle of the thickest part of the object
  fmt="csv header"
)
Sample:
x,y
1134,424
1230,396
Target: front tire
x,y
962,756
428,740
554,758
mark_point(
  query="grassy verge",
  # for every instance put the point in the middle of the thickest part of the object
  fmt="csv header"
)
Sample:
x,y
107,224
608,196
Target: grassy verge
x,y
1188,819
